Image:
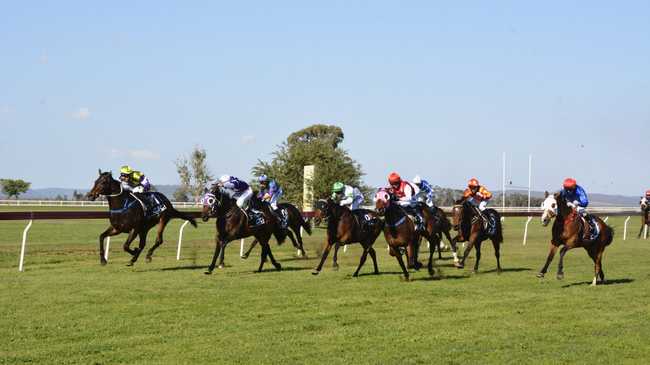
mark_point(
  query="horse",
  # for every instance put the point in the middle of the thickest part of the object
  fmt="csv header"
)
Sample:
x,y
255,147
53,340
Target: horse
x,y
344,227
401,233
232,223
567,231
440,225
127,215
645,214
471,229
294,222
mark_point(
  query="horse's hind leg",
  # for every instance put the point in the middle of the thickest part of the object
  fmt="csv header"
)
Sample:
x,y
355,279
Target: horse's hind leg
x,y
560,266
143,242
497,254
373,256
266,252
478,256
248,252
454,247
335,258
598,267
300,242
326,251
362,261
219,247
433,245
159,237
398,256
468,249
110,231
549,259
127,244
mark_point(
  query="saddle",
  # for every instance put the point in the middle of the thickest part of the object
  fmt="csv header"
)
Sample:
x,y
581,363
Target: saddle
x,y
589,228
255,217
365,219
152,205
488,219
415,215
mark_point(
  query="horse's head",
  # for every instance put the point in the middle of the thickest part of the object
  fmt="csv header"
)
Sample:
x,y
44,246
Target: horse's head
x,y
320,211
644,203
549,207
382,201
102,186
457,212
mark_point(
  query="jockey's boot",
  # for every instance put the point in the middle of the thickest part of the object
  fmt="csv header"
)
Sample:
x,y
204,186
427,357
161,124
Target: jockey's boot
x,y
482,217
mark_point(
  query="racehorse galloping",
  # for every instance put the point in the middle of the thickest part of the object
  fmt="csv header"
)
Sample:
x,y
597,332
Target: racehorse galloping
x,y
345,227
471,229
645,214
127,215
568,232
401,233
233,223
294,222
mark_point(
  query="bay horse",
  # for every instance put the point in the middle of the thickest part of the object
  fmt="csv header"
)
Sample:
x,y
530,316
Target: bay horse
x,y
471,229
401,234
440,225
127,215
344,227
294,222
568,232
645,214
232,223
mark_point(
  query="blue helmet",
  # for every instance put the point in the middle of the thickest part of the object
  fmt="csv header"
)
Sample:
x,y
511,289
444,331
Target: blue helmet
x,y
263,178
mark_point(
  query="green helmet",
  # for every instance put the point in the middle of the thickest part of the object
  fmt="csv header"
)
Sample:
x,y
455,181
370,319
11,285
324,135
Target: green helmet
x,y
338,187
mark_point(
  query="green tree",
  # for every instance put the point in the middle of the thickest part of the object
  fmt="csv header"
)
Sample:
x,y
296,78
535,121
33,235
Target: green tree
x,y
11,187
193,173
315,145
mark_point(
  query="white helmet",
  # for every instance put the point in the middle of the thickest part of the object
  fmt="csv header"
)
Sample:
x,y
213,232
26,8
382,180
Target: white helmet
x,y
417,180
224,179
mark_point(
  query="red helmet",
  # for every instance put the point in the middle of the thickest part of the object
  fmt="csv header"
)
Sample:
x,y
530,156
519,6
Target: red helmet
x,y
569,183
394,178
473,183
647,193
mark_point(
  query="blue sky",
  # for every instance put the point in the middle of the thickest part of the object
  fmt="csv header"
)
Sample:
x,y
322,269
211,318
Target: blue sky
x,y
418,87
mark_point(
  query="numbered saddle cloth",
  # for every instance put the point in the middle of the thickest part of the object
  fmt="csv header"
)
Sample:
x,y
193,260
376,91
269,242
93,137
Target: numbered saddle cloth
x,y
153,203
255,217
366,218
590,228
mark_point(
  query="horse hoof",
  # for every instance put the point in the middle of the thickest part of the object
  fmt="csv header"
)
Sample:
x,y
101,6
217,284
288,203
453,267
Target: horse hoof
x,y
405,279
474,272
278,267
540,275
458,265
148,258
103,262
222,266
315,272
355,275
208,272
499,271
335,268
560,276
244,257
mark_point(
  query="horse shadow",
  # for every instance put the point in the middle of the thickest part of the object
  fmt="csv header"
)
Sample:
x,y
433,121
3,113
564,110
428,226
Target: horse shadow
x,y
607,282
177,268
508,269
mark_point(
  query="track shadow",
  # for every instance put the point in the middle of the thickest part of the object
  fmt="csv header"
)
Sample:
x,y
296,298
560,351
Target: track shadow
x,y
191,267
293,268
380,273
441,278
607,282
296,258
508,269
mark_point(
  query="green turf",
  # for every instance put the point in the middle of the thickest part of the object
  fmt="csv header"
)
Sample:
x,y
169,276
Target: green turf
x,y
66,308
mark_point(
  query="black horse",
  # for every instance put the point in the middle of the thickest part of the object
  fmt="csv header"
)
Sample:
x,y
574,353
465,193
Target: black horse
x,y
471,228
233,223
294,222
128,215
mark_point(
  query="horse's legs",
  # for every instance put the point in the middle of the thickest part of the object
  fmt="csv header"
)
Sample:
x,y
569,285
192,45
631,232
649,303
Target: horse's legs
x,y
478,256
269,254
263,255
549,258
222,255
300,242
138,251
643,223
335,258
433,245
560,267
598,267
468,249
398,256
326,251
127,244
248,252
217,252
159,237
373,256
110,231
364,255
497,254
412,251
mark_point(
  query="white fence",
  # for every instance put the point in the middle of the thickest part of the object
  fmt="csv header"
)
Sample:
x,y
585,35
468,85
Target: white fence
x,y
77,203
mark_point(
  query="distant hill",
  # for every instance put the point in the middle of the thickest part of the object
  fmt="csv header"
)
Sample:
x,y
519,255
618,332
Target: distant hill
x,y
595,198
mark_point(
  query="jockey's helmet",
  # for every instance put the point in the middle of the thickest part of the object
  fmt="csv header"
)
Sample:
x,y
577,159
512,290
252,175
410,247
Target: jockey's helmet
x,y
262,179
394,178
126,170
473,183
338,187
569,183
224,179
417,180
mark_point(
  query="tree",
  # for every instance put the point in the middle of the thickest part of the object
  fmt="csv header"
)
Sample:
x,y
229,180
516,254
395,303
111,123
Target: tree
x,y
315,145
11,187
193,173
78,196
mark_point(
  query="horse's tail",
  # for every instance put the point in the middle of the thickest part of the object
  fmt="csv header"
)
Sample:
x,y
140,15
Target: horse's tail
x,y
609,234
184,216
305,225
498,236
296,212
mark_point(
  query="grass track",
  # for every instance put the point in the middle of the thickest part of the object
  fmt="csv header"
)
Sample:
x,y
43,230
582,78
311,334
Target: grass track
x,y
65,308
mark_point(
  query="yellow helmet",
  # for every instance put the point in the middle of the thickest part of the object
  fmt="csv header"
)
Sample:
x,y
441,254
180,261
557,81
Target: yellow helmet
x,y
137,175
126,170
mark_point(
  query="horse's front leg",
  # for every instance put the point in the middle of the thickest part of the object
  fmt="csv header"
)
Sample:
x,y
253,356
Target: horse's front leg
x,y
335,258
248,252
468,249
326,251
143,242
560,266
549,259
219,246
110,231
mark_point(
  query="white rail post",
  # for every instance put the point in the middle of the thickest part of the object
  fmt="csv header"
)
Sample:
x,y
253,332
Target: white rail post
x,y
625,228
241,248
345,248
606,218
645,231
298,251
22,247
526,230
108,246
180,240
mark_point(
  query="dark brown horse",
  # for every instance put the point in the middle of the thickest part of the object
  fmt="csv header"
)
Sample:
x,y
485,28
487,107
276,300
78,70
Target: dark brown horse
x,y
233,223
471,229
568,232
127,215
294,222
401,234
645,214
345,227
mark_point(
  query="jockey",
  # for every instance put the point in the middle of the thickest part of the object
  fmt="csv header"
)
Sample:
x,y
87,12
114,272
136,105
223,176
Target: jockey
x,y
236,189
270,191
406,194
477,195
346,195
646,199
575,196
426,191
133,180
